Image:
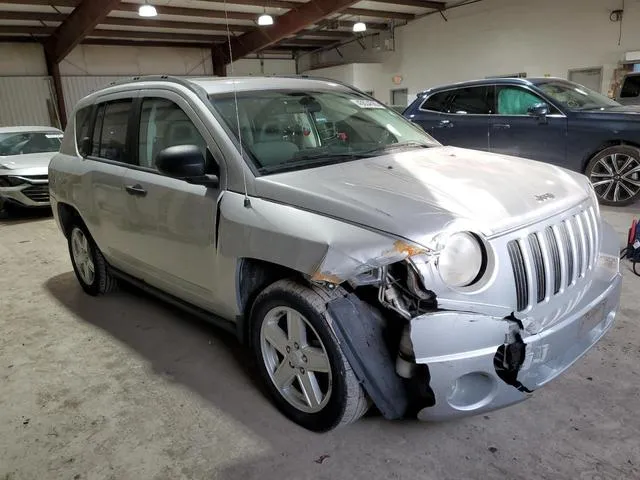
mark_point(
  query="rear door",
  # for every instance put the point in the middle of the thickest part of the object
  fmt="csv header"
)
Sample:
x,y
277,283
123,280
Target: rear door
x,y
171,223
513,131
101,198
463,118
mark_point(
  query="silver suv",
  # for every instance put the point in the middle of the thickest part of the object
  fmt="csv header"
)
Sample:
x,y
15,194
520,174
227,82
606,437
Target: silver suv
x,y
361,262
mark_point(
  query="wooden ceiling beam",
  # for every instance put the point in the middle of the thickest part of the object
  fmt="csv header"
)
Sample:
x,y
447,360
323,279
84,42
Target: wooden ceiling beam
x,y
77,26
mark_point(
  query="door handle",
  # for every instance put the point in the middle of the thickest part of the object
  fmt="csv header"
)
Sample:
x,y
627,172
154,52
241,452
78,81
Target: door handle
x,y
444,124
501,126
136,190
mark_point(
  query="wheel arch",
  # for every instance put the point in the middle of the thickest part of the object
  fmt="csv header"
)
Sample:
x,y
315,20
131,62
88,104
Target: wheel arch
x,y
67,215
603,146
252,277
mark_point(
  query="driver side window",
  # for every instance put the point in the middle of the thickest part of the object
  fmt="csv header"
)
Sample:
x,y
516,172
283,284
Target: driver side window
x,y
164,124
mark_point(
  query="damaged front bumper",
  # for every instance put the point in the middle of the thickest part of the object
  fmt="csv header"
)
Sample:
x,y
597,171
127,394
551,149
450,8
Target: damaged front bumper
x,y
462,350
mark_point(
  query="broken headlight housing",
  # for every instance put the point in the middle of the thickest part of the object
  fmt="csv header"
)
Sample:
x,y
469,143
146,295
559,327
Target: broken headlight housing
x,y
462,260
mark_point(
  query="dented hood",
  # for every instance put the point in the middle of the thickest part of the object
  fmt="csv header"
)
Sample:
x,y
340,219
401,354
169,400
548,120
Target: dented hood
x,y
416,193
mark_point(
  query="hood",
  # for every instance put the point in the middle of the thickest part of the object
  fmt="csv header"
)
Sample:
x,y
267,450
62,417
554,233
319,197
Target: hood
x,y
628,112
38,162
417,193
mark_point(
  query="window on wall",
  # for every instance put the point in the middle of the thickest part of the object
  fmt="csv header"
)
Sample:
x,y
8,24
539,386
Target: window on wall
x,y
164,124
470,101
515,100
400,97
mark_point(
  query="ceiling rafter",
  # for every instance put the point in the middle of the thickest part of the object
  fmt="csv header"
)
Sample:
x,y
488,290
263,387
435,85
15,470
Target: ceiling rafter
x,y
164,24
76,26
288,24
415,3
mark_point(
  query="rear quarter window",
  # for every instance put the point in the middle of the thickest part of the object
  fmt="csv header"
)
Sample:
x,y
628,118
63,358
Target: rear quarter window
x,y
436,102
83,124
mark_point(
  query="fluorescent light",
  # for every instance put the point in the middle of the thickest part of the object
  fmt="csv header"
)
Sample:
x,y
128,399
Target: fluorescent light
x,y
359,27
265,20
147,11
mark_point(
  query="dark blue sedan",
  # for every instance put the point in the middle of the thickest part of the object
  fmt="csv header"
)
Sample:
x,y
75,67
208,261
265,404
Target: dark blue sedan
x,y
546,119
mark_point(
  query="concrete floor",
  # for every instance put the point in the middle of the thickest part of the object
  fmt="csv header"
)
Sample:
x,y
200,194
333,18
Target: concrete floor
x,y
125,387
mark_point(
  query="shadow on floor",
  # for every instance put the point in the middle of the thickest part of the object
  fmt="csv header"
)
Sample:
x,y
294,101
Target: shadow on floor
x,y
15,215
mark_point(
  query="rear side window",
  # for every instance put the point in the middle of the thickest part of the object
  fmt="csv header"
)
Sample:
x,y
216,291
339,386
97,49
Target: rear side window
x,y
110,132
630,87
83,120
436,102
470,100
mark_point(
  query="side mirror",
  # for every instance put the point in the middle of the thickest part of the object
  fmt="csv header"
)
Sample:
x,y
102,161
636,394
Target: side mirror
x,y
539,110
187,163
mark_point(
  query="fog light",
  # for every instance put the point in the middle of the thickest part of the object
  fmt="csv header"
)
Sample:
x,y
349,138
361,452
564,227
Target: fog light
x,y
472,391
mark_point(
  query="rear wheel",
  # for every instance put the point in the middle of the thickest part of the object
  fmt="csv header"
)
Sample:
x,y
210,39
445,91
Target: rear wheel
x,y
615,175
300,360
88,263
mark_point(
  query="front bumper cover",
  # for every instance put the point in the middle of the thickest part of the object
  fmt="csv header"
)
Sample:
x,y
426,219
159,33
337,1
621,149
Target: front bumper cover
x,y
461,349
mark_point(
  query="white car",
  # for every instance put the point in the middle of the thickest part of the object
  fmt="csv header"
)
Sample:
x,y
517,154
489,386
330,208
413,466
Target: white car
x,y
25,153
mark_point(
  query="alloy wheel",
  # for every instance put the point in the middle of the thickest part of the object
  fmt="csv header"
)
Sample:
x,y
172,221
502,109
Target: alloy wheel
x,y
616,177
82,256
296,359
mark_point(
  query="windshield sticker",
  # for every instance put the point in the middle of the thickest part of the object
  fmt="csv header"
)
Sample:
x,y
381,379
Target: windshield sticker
x,y
366,103
53,135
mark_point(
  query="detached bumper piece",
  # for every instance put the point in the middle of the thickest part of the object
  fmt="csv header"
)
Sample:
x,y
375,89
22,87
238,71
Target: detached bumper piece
x,y
361,333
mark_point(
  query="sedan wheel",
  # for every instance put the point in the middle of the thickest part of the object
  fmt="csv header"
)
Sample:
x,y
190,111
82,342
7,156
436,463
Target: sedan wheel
x,y
615,175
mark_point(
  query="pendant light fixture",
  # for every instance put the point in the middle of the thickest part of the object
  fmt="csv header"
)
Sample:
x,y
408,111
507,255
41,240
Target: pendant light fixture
x,y
147,10
359,27
265,19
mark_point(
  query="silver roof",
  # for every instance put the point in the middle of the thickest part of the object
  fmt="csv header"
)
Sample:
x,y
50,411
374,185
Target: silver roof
x,y
213,85
22,129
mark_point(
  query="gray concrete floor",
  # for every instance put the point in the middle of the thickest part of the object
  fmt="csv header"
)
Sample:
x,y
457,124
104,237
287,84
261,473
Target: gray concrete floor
x,y
125,387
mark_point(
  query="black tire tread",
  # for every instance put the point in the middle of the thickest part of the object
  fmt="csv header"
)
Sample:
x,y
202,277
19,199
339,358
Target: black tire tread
x,y
104,282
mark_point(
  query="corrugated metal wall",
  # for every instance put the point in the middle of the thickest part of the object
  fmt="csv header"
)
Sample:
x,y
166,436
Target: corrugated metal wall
x,y
27,101
75,88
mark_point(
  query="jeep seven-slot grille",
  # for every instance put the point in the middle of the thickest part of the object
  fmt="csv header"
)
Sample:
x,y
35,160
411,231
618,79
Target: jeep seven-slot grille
x,y
546,262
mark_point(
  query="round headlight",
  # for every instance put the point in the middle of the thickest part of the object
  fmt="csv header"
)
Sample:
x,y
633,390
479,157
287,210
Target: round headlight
x,y
462,260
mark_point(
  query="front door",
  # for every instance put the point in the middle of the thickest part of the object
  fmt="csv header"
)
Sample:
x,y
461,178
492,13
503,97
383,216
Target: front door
x,y
171,223
513,131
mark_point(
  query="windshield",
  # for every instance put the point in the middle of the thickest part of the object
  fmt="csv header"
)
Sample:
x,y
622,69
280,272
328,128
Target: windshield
x,y
295,129
20,143
574,96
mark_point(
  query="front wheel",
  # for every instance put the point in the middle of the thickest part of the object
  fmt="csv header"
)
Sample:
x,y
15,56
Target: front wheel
x,y
615,175
299,358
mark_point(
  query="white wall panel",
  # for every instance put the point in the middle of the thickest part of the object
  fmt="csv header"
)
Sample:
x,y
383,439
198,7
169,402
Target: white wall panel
x,y
26,101
75,88
498,37
22,59
253,66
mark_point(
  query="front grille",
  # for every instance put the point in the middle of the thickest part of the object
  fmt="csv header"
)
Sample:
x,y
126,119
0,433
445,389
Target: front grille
x,y
548,261
37,193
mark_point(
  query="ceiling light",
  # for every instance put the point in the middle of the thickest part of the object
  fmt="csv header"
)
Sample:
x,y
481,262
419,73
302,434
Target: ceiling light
x,y
265,20
147,11
359,27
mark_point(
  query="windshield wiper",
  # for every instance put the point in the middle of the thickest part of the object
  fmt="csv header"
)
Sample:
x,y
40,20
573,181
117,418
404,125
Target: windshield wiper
x,y
394,146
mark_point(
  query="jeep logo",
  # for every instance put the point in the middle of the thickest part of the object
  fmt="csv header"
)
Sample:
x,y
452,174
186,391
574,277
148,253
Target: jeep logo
x,y
544,197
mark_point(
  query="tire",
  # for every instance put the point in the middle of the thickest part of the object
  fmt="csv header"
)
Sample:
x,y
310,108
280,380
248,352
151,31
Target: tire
x,y
86,256
615,175
339,398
